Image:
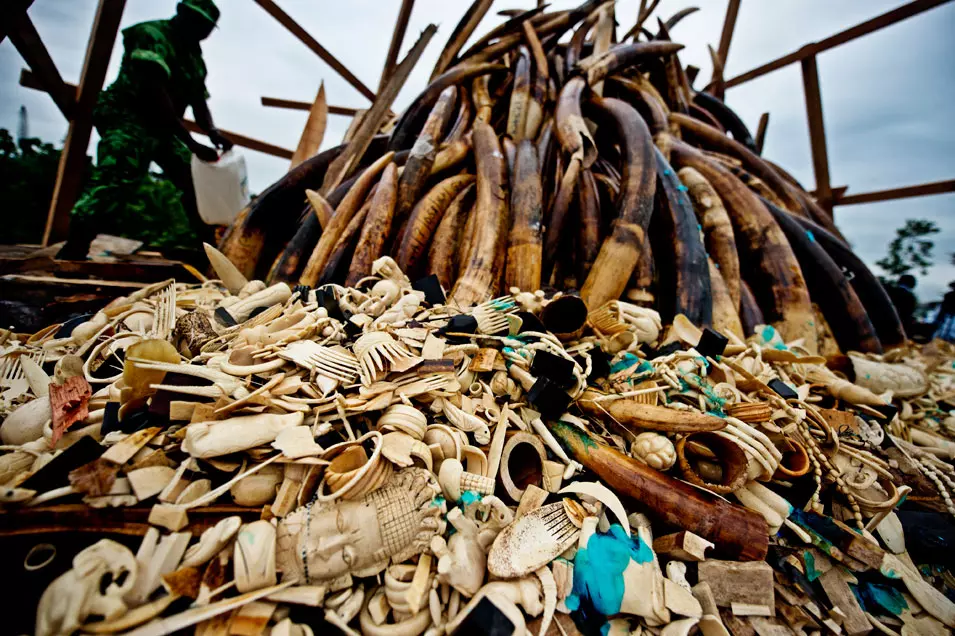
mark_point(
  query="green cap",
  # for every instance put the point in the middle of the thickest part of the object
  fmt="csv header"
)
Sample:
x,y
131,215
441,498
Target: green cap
x,y
205,8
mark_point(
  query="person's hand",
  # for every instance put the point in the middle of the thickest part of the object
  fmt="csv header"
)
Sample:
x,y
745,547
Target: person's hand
x,y
205,153
219,141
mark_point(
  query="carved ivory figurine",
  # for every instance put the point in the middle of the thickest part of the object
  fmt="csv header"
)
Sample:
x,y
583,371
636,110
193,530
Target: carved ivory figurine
x,y
320,542
462,560
75,595
212,439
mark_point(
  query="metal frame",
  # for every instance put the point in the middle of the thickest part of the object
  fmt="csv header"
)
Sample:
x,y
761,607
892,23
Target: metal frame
x,y
825,193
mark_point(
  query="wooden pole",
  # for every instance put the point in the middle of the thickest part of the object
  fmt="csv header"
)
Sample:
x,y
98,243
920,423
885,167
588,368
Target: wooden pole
x,y
8,11
292,104
729,24
73,158
924,189
29,80
397,37
817,132
372,120
27,41
242,140
869,26
295,29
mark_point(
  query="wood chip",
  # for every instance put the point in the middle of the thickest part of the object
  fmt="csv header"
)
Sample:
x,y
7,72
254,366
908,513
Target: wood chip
x,y
252,619
841,596
483,360
170,517
95,478
148,482
69,403
684,545
738,582
123,451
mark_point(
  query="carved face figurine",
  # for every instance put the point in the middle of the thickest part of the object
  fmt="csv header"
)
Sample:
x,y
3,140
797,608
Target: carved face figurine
x,y
320,542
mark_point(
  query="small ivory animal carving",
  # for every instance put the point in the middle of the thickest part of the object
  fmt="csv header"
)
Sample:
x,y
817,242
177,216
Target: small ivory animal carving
x,y
462,560
211,439
323,541
78,593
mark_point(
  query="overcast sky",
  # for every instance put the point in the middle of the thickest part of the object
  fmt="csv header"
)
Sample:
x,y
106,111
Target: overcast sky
x,y
887,97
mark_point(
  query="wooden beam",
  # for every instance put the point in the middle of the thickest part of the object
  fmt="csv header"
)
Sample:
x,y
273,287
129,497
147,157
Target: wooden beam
x,y
298,105
921,190
372,120
817,132
245,142
397,37
10,10
285,20
837,192
128,521
132,269
729,24
761,132
27,41
29,80
869,26
73,158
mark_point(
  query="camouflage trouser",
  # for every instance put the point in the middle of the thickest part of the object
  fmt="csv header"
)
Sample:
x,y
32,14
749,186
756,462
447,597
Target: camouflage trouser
x,y
108,205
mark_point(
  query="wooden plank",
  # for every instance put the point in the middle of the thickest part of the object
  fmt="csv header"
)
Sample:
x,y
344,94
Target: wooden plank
x,y
245,142
729,24
921,190
128,521
738,582
397,37
27,41
371,121
761,132
76,285
8,11
295,29
817,132
841,596
293,104
837,193
73,158
29,79
140,271
852,33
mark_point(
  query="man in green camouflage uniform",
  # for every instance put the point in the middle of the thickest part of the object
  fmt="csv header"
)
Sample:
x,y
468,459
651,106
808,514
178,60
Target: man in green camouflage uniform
x,y
139,119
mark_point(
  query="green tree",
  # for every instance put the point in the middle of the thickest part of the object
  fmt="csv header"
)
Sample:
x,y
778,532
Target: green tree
x,y
28,168
911,249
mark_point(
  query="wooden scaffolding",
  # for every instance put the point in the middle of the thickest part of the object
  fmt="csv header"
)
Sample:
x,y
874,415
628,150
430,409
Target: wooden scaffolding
x,y
76,102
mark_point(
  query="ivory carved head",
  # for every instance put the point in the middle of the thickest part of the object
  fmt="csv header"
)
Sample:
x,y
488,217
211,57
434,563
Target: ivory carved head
x,y
320,542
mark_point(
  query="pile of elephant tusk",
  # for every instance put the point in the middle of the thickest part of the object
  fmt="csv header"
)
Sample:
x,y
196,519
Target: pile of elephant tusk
x,y
557,355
